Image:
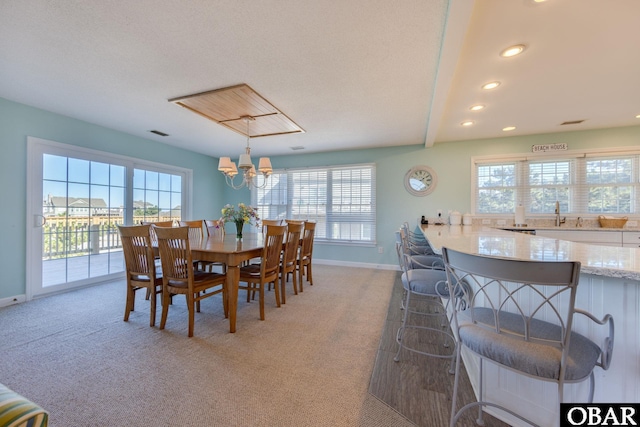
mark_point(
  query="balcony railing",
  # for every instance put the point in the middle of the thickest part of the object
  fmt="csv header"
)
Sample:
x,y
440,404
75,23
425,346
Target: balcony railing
x,y
77,236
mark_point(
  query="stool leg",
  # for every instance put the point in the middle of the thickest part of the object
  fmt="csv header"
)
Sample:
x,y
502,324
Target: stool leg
x,y
401,330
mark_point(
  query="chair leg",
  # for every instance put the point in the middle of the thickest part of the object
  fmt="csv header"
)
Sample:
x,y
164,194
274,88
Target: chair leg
x,y
401,329
154,295
277,292
130,303
301,276
295,284
166,301
261,292
191,306
310,273
480,420
283,287
454,398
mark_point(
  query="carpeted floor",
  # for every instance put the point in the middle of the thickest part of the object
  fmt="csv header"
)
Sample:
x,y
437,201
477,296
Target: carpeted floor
x,y
307,364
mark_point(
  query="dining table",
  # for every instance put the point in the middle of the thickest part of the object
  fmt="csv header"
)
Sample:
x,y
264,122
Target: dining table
x,y
233,252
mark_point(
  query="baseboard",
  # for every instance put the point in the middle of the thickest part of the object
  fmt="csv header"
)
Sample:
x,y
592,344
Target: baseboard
x,y
4,302
356,264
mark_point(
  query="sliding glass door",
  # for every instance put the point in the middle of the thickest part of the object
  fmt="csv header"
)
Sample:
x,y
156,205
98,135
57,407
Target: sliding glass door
x,y
77,199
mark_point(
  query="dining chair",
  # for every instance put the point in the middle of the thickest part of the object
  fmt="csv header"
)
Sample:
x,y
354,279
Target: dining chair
x,y
196,232
305,254
257,276
196,237
179,277
425,326
520,314
154,239
140,267
215,229
266,222
290,258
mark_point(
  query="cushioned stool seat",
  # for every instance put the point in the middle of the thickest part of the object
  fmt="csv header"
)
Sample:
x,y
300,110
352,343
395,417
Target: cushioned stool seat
x,y
531,357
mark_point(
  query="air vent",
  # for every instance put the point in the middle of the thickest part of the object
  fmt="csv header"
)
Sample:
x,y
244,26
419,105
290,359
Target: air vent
x,y
573,122
157,132
297,147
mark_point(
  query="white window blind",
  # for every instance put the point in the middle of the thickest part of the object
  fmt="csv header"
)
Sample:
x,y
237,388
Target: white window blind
x,y
340,199
582,183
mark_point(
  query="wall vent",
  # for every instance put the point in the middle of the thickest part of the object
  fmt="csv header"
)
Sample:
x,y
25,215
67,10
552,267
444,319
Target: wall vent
x,y
157,132
572,122
297,147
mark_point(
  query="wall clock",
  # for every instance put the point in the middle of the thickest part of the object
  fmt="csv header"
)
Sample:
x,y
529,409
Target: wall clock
x,y
420,180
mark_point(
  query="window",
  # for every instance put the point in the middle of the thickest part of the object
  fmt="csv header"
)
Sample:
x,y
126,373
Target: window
x,y
157,196
341,200
611,185
549,182
496,191
590,183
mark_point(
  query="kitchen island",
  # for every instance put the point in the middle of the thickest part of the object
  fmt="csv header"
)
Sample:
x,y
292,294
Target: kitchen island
x,y
609,283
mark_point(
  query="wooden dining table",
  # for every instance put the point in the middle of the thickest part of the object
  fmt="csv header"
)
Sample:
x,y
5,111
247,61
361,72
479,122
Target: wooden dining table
x,y
233,252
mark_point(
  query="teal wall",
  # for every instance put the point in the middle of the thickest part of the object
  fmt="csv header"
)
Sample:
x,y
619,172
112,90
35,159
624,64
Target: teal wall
x,y
451,161
17,121
452,164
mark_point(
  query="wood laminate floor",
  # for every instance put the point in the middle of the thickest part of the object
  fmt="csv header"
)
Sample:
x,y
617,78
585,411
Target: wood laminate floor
x,y
419,386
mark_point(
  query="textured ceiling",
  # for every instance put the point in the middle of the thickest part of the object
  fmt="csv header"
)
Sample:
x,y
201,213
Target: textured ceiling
x,y
352,74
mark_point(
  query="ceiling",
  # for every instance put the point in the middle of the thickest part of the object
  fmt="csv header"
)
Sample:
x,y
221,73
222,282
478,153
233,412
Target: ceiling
x,y
353,74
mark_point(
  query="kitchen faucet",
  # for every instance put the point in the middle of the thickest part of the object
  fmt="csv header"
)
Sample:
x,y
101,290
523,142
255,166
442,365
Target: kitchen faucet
x,y
558,220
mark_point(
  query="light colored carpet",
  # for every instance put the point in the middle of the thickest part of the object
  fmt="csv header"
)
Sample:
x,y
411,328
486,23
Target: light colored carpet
x,y
307,364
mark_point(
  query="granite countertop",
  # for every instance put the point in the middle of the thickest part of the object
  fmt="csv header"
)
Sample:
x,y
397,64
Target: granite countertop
x,y
609,261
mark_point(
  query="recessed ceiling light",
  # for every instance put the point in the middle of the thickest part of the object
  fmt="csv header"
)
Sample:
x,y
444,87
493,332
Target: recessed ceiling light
x,y
477,107
490,85
467,123
509,128
513,50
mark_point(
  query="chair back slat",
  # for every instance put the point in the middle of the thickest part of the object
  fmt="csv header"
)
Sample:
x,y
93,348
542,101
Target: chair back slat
x,y
152,232
175,253
273,240
292,243
196,232
215,228
136,245
307,239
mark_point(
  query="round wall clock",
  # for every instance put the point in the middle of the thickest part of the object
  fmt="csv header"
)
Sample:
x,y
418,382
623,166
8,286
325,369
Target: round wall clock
x,y
420,180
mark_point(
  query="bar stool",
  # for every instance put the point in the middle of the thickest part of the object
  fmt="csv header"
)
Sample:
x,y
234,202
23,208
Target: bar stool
x,y
519,315
424,291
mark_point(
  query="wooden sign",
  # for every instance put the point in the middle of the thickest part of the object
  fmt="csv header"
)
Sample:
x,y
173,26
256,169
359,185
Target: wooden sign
x,y
549,147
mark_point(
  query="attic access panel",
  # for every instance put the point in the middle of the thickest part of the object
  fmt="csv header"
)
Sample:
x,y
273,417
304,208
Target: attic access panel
x,y
228,106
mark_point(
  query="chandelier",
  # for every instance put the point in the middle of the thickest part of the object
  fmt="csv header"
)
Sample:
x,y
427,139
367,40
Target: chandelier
x,y
229,169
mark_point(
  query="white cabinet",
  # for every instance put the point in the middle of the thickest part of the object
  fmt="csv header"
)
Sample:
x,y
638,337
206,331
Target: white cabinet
x,y
631,239
607,238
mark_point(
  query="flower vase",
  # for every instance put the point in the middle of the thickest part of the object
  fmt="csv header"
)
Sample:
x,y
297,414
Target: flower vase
x,y
239,225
